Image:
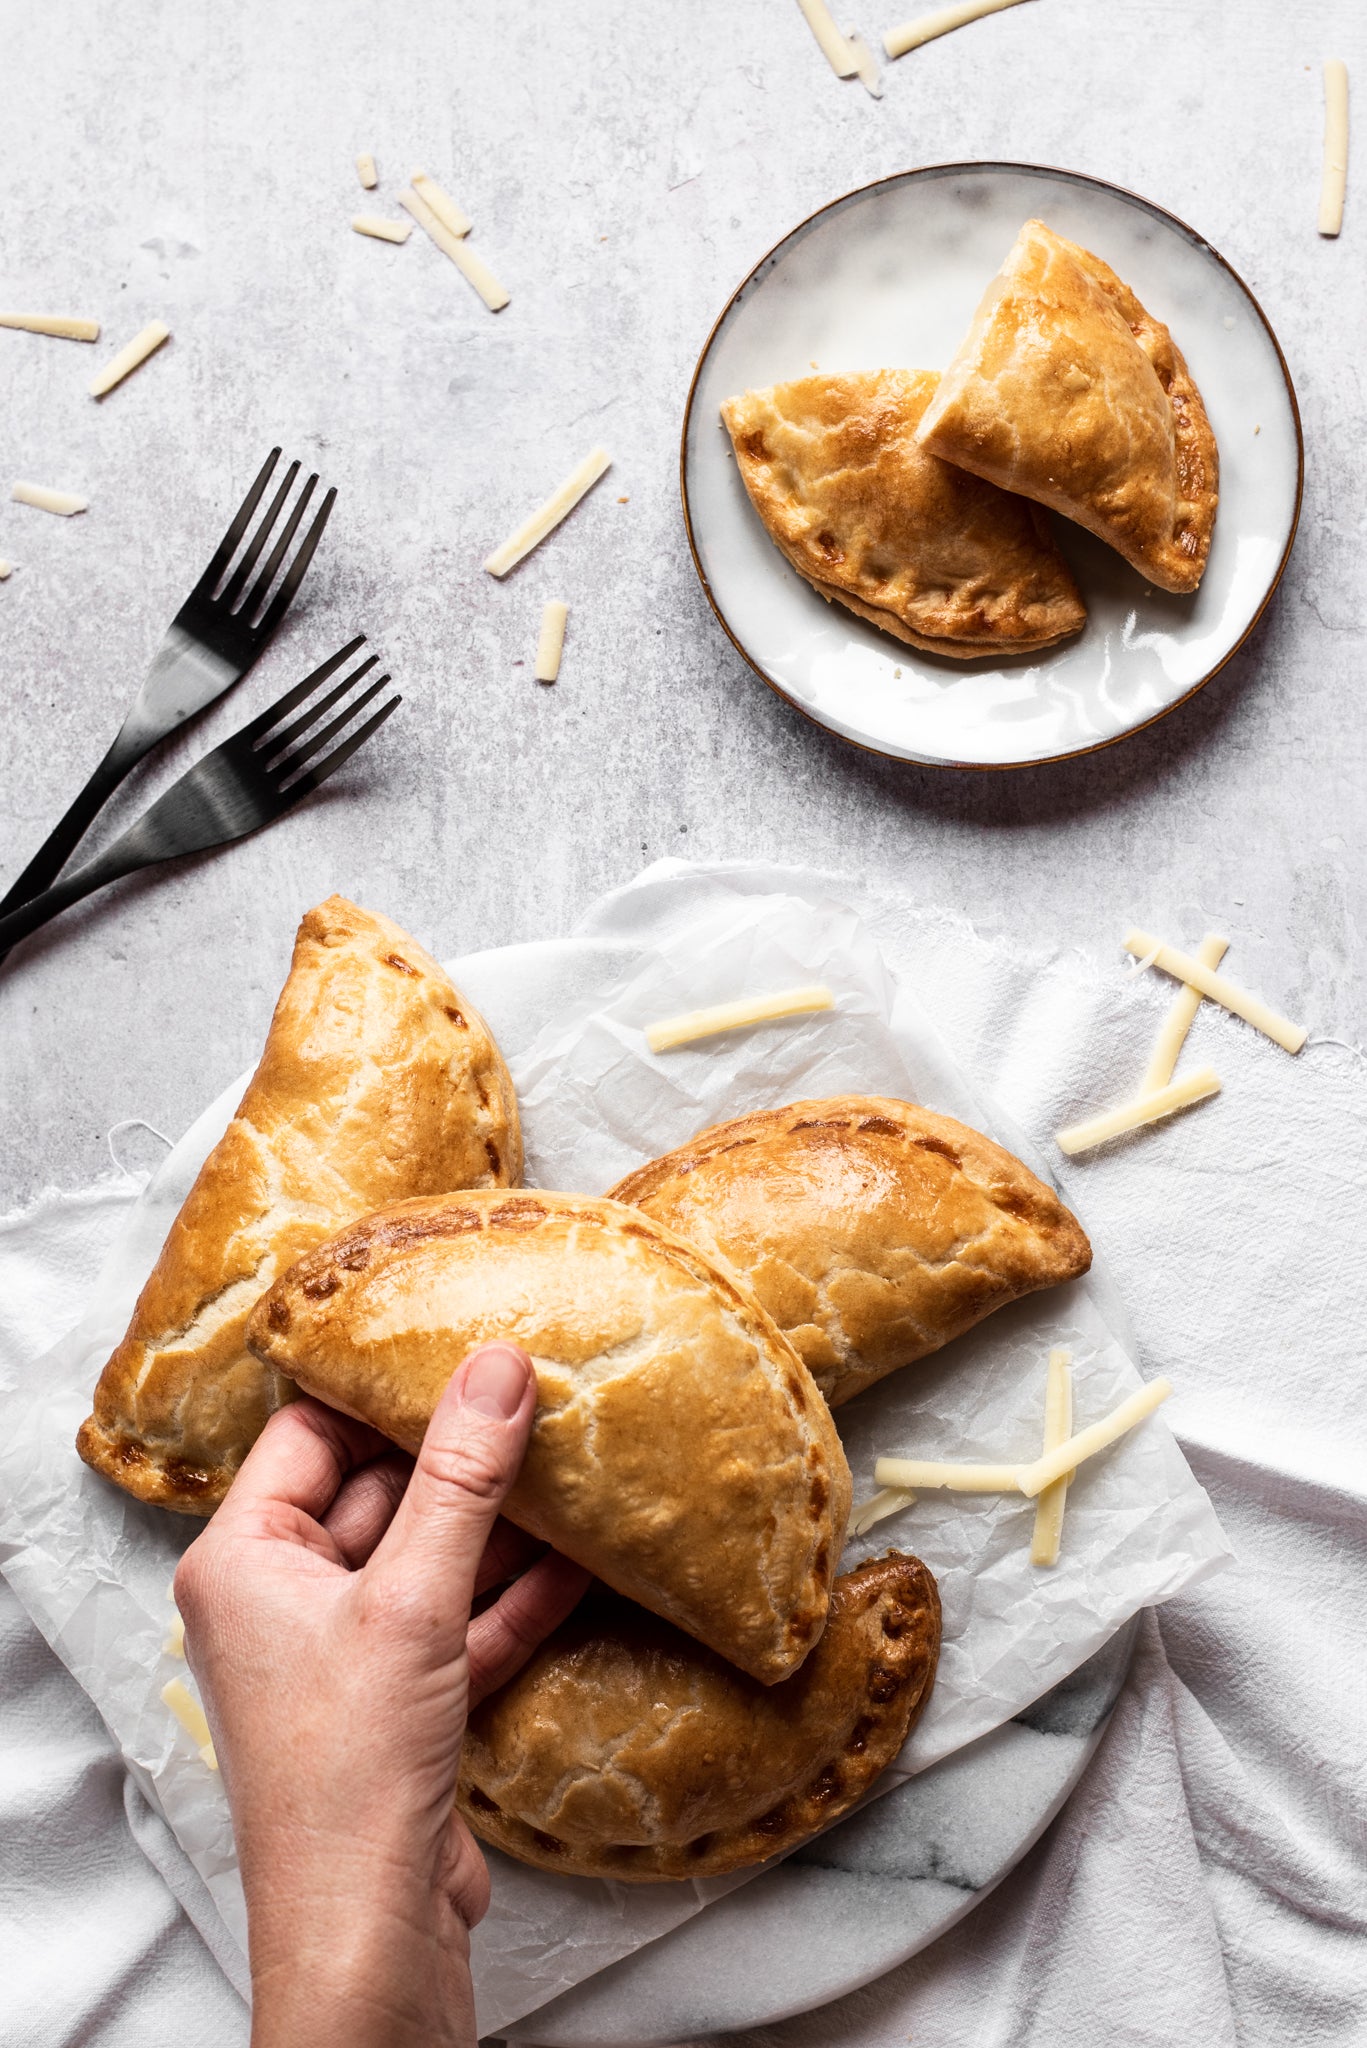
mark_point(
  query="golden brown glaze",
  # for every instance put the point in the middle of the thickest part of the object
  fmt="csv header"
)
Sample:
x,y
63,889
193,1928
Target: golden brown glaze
x,y
1068,391
624,1750
872,1231
378,1079
927,552
680,1449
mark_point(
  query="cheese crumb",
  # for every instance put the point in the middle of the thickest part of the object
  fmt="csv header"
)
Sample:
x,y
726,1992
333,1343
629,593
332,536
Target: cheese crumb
x,y
834,48
64,503
174,1645
865,64
365,170
1229,996
129,357
6,570
551,642
793,1002
382,230
1047,1536
1334,175
547,517
1145,1109
59,324
926,27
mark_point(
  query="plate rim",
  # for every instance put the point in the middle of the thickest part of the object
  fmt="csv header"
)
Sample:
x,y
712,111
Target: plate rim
x,y
1150,206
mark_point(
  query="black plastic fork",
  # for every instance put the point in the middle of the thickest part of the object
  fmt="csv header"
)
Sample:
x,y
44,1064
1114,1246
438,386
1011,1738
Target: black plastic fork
x,y
252,779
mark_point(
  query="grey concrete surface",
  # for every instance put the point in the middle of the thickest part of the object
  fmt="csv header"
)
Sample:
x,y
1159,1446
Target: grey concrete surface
x,y
625,165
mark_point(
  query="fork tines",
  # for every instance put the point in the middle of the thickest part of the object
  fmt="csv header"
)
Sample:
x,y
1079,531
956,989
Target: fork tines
x,y
230,598
285,751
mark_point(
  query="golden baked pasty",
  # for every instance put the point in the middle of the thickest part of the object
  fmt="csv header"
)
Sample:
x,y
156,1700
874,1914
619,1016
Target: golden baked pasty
x,y
923,550
378,1079
680,1450
873,1231
621,1749
1066,390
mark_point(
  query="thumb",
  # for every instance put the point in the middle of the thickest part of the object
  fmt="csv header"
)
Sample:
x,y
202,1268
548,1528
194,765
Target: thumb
x,y
470,1456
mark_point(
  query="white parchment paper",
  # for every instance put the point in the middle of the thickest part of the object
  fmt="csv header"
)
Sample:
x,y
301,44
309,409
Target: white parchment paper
x,y
93,1567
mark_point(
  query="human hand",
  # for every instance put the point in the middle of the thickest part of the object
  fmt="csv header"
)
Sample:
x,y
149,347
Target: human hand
x,y
327,1612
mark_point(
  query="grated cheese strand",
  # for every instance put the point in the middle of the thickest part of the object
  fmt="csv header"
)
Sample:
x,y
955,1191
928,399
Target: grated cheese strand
x,y
551,641
63,503
442,204
60,325
190,1714
547,517
1179,1020
792,1002
1047,1536
834,47
1229,996
924,1472
471,267
890,1501
174,1645
6,570
926,27
365,170
382,230
865,64
1334,176
133,353
1065,1457
1131,1116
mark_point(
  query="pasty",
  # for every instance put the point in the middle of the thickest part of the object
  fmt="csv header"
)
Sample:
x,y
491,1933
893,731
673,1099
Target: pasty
x,y
921,549
680,1449
378,1079
1065,389
624,1750
871,1230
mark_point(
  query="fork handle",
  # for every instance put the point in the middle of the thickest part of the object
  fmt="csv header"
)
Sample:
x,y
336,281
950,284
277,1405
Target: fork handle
x,y
124,857
57,849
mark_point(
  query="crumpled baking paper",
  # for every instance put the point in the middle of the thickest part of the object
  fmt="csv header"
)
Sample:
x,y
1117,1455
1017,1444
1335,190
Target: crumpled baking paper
x,y
93,1567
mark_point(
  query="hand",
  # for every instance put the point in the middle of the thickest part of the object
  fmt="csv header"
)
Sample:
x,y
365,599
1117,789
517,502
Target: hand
x,y
327,1620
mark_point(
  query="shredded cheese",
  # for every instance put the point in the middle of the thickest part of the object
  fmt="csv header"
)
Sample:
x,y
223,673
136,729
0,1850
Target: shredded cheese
x,y
59,324
471,267
442,204
890,1501
926,27
1334,176
6,570
1147,1109
129,357
190,1714
1058,1427
365,170
548,516
64,503
1099,1437
1229,997
381,229
1178,1022
834,47
865,64
174,1645
551,642
923,1472
791,1002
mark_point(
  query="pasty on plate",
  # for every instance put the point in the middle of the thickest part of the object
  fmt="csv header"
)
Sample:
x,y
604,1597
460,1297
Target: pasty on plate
x,y
378,1079
624,1750
1065,389
680,1450
873,1231
927,552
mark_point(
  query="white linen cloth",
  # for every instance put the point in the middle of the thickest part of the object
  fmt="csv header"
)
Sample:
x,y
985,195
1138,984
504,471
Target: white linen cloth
x,y
1205,1883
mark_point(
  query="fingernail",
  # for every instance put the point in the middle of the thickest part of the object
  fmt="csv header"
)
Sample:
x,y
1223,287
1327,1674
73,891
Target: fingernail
x,y
496,1379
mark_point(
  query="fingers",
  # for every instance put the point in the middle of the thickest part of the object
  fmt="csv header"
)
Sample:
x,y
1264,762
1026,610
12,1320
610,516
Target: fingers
x,y
365,1506
502,1638
429,1557
509,1551
299,1460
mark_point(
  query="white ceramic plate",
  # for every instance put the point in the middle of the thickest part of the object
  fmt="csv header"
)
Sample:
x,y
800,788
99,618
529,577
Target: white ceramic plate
x,y
891,274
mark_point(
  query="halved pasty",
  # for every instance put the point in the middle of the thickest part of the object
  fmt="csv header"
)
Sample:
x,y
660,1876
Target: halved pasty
x,y
378,1079
873,1231
680,1450
921,549
624,1750
1066,390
